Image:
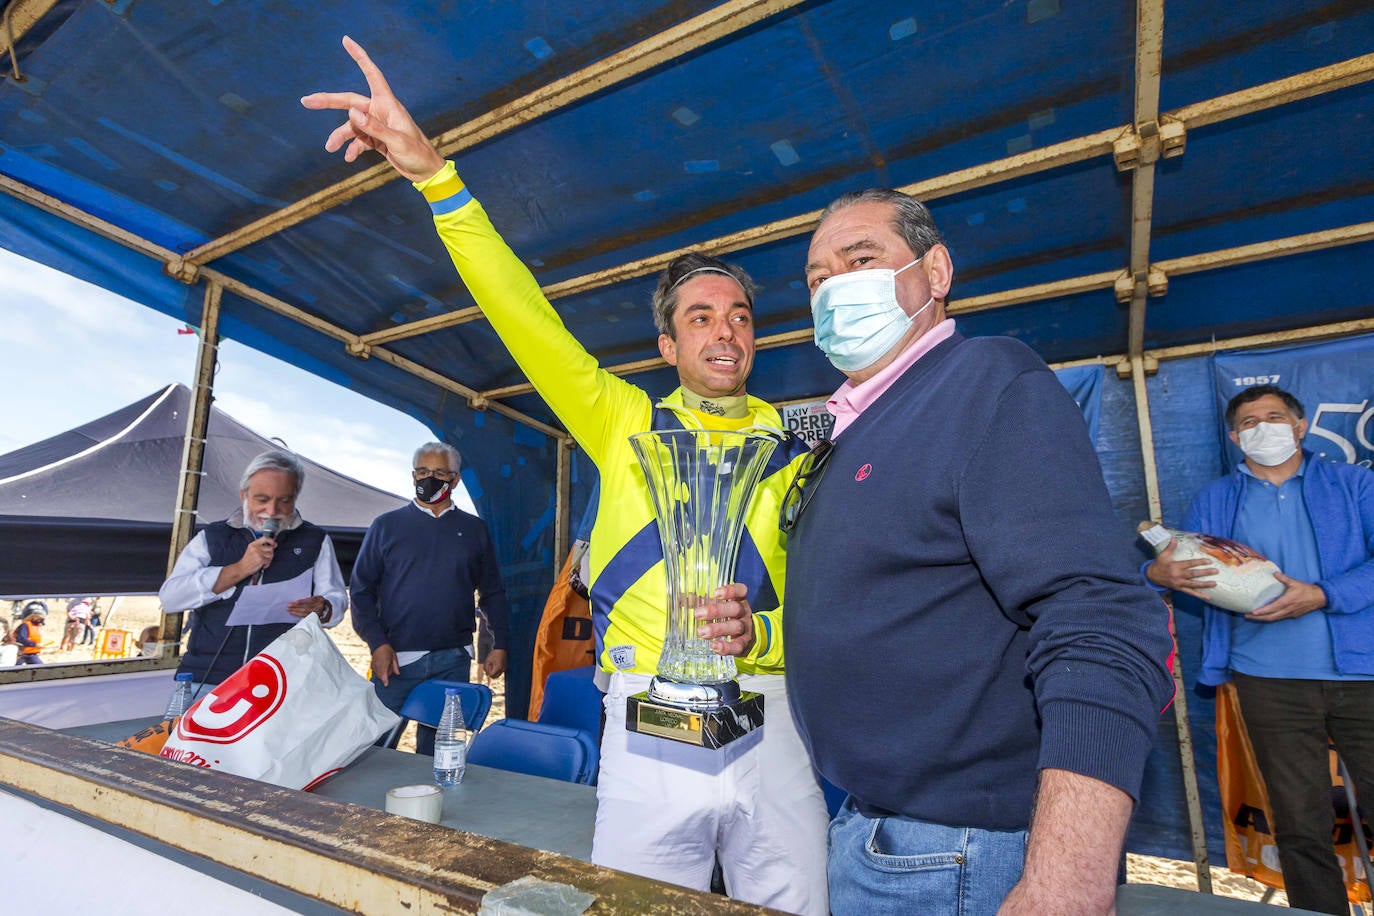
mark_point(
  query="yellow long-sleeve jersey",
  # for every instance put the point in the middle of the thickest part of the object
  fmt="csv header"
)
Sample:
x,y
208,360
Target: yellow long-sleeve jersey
x,y
601,411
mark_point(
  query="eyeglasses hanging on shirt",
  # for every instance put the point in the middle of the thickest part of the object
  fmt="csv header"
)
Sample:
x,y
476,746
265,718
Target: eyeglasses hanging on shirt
x,y
803,486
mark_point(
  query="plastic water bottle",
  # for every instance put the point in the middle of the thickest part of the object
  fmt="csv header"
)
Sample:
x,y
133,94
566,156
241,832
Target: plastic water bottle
x,y
180,700
450,742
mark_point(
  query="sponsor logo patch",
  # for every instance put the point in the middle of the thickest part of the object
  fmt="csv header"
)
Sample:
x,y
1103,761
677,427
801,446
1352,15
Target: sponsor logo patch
x,y
623,657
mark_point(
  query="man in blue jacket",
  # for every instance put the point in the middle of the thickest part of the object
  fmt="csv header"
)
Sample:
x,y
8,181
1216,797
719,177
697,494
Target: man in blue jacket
x,y
1304,663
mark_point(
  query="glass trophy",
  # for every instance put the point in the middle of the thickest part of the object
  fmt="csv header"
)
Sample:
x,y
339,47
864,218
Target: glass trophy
x,y
702,482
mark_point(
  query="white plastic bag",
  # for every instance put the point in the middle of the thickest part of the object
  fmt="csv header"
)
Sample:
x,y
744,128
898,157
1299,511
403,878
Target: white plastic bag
x,y
293,716
1244,577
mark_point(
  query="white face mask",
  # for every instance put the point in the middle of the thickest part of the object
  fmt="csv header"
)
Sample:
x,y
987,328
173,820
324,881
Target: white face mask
x,y
857,317
1268,444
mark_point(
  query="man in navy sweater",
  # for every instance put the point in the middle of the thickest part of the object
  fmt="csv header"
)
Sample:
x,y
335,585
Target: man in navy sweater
x,y
1008,657
413,588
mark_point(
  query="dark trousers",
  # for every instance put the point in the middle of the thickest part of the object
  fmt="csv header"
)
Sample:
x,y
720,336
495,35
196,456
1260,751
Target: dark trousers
x,y
446,664
1289,722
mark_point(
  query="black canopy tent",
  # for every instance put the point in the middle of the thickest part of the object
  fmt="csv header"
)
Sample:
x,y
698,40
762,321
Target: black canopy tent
x,y
89,510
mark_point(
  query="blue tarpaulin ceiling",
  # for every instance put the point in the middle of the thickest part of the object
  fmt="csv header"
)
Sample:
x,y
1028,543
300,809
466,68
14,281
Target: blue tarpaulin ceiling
x,y
602,136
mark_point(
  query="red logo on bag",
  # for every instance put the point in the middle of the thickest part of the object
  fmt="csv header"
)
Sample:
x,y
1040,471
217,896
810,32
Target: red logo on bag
x,y
863,472
237,706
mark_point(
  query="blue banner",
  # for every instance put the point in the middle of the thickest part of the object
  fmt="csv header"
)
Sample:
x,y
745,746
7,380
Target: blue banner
x,y
1334,381
1084,383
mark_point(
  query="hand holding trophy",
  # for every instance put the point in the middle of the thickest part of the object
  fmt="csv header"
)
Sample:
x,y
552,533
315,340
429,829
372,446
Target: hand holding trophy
x,y
702,482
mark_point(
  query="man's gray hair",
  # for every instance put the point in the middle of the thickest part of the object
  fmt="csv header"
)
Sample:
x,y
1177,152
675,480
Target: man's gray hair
x,y
911,218
455,460
692,264
276,460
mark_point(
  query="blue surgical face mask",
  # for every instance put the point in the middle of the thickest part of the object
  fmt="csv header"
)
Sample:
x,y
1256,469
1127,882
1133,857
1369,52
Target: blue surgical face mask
x,y
857,317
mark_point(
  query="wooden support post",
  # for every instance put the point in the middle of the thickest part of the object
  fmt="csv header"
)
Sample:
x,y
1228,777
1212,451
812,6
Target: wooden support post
x,y
193,454
562,521
1196,827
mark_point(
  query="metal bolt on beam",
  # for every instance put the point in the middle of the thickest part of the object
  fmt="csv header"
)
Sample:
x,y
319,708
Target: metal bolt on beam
x,y
1154,279
1156,282
182,271
1148,363
1124,287
1126,150
1173,137
1149,142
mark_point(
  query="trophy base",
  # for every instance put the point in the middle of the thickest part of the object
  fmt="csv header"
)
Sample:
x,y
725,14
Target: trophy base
x,y
702,724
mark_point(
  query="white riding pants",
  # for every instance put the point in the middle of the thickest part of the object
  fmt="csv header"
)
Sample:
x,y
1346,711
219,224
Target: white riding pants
x,y
665,809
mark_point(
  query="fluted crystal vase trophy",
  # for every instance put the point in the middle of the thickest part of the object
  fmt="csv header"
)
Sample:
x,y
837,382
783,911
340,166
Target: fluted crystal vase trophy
x,y
702,482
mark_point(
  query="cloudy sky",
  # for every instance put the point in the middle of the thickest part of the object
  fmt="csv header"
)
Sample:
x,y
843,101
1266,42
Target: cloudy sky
x,y
71,352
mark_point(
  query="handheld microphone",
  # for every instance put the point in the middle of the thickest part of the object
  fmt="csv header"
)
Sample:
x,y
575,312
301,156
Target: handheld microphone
x,y
270,527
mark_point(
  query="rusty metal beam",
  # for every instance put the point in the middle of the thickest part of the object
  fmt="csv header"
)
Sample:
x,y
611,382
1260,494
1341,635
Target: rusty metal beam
x,y
179,268
1165,132
19,17
1264,251
1294,88
351,857
27,674
104,228
1148,59
678,41
1027,163
1157,276
1034,293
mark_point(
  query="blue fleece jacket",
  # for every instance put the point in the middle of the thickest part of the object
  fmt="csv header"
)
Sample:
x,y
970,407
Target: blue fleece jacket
x,y
963,607
1340,503
412,584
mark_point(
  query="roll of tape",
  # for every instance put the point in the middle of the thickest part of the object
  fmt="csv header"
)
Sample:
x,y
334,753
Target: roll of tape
x,y
423,803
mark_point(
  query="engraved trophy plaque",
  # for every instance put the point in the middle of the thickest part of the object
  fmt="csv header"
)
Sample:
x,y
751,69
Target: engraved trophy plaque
x,y
702,482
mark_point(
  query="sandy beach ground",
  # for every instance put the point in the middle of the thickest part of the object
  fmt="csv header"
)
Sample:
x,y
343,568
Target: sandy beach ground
x,y
132,614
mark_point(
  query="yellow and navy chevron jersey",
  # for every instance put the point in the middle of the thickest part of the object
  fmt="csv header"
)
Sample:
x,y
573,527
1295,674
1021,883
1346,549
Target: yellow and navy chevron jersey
x,y
601,412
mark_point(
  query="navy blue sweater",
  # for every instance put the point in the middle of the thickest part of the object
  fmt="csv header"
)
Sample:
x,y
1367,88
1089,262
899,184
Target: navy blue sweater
x,y
412,584
963,608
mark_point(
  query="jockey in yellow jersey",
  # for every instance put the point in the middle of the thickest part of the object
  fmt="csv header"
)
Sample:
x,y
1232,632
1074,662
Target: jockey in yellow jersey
x,y
664,809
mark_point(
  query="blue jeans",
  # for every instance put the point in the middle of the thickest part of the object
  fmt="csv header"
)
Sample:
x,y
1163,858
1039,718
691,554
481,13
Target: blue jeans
x,y
899,866
448,664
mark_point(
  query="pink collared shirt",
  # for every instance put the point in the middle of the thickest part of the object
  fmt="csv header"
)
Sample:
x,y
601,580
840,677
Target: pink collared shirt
x,y
850,400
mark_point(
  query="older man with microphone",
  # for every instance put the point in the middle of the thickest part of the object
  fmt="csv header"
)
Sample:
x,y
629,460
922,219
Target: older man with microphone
x,y
237,576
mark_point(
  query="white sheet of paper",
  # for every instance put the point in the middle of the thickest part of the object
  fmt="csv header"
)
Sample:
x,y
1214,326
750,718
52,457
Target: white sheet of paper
x,y
266,603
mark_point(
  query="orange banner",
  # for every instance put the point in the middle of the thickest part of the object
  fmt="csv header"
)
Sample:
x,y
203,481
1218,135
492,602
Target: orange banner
x,y
1247,818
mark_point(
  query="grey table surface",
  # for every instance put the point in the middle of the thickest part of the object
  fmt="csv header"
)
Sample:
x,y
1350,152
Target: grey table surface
x,y
540,813
559,816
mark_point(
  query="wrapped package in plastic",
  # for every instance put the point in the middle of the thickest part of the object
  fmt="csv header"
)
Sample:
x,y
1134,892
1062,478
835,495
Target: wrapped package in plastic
x,y
1244,577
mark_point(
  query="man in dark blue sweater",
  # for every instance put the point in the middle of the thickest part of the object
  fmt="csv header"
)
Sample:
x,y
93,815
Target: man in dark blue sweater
x,y
413,588
1005,655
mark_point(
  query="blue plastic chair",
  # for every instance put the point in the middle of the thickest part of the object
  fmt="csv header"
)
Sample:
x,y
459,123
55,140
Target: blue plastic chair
x,y
425,704
537,749
572,699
